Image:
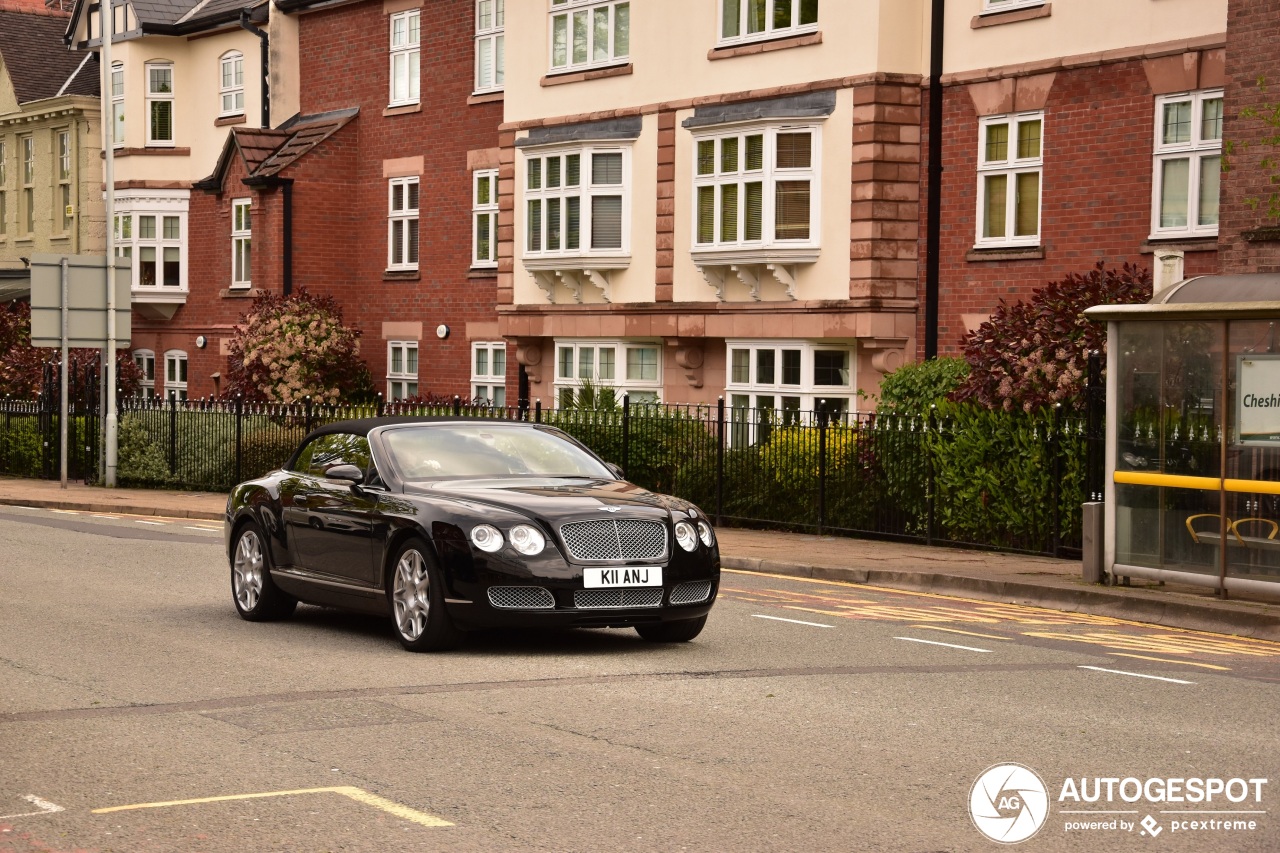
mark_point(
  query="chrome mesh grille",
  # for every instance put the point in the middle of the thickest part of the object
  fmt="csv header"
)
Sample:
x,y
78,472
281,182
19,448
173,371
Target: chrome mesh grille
x,y
521,598
615,599
610,539
691,593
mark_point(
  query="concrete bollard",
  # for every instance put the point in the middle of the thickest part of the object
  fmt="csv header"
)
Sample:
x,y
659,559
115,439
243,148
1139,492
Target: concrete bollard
x,y
1092,536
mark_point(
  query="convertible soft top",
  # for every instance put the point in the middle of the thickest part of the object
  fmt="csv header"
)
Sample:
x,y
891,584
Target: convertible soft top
x,y
363,426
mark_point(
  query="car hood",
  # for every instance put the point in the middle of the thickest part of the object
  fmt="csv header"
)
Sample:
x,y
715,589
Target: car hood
x,y
556,498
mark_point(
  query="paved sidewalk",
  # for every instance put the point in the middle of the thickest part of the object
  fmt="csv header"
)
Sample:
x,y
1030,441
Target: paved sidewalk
x,y
1039,581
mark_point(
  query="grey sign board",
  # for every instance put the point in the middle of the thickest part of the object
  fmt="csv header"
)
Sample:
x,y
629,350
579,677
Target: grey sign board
x,y
87,301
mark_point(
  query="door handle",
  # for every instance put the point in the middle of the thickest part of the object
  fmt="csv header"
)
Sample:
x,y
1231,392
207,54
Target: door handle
x,y
302,500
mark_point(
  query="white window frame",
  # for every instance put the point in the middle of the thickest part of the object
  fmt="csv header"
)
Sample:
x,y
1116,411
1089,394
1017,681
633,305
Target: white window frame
x,y
586,190
406,221
146,361
620,381
992,6
155,98
117,104
484,214
241,243
490,41
231,84
489,384
4,194
807,393
405,49
1197,151
1011,167
27,176
769,32
770,176
130,241
402,384
569,9
175,374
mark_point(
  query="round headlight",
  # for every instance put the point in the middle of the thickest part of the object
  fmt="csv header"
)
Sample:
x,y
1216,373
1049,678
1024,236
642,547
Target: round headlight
x,y
527,540
486,537
686,535
704,533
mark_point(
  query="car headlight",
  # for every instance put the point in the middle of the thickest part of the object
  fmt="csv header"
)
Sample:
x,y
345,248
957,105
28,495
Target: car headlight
x,y
527,540
486,537
704,533
686,535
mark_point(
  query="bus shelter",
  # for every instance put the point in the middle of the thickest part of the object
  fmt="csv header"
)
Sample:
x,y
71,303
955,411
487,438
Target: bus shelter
x,y
1193,435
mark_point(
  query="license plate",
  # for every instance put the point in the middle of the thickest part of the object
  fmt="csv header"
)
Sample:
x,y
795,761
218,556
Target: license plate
x,y
622,576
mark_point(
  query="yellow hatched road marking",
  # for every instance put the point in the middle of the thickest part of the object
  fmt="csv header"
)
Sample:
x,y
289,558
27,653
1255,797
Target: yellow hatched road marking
x,y
1099,620
1179,662
966,633
1166,644
357,794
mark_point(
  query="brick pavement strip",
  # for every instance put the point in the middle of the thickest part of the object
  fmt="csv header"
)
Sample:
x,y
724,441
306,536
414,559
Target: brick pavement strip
x,y
1009,578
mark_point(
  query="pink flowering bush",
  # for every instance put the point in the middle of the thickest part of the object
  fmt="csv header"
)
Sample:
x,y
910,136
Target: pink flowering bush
x,y
1035,354
288,349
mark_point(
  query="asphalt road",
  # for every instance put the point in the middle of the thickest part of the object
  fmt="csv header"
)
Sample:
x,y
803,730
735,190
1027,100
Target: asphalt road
x,y
139,713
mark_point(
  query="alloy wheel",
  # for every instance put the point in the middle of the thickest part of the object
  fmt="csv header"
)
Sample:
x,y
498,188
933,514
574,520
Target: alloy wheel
x,y
247,570
411,595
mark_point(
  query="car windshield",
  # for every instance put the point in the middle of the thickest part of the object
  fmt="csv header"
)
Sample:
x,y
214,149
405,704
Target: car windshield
x,y
463,450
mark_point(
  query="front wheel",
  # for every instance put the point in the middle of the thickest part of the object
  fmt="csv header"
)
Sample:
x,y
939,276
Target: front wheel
x,y
417,602
672,632
257,597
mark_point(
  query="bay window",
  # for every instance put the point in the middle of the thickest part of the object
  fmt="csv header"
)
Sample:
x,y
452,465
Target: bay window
x,y
577,202
1188,165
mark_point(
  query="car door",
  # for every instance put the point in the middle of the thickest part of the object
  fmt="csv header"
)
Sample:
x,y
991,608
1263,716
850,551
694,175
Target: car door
x,y
330,524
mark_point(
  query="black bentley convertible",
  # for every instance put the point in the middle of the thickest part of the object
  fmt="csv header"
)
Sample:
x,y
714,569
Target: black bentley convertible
x,y
451,524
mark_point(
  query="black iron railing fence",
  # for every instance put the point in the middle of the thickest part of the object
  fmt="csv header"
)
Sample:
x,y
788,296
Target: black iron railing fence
x,y
998,480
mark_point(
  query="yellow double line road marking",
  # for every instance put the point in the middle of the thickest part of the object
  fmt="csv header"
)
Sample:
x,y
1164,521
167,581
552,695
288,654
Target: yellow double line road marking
x,y
357,794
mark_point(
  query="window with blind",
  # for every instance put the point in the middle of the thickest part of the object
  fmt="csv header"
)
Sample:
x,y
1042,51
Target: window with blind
x,y
159,103
1188,165
27,210
743,21
589,33
755,188
402,370
406,40
576,202
1010,164
1005,5
402,224
484,216
117,104
490,41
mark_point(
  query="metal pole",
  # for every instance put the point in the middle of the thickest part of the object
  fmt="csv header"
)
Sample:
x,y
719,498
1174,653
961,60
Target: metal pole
x,y
720,462
822,465
64,375
112,421
626,432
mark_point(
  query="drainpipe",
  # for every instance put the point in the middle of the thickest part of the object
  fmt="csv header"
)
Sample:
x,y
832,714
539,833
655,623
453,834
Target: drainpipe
x,y
266,64
933,224
287,263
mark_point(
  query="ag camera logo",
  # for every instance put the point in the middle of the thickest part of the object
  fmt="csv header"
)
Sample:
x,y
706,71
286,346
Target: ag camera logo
x,y
1009,803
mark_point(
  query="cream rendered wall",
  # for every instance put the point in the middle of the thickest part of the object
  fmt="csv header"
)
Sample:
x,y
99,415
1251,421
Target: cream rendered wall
x,y
8,100
828,278
1075,27
283,30
196,102
636,282
669,44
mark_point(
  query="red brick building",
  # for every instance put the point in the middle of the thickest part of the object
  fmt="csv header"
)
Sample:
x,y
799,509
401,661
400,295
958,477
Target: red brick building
x,y
370,194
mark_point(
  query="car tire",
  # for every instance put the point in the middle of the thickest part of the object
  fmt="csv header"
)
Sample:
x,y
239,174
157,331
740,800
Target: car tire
x,y
672,632
256,596
415,590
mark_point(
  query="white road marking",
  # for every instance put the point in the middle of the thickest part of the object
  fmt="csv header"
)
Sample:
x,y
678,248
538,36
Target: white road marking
x,y
1203,811
1092,811
792,621
202,529
1138,675
66,511
108,517
948,645
156,523
44,806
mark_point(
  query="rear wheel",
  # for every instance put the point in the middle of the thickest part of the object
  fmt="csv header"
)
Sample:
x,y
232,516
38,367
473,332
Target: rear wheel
x,y
417,601
672,632
257,597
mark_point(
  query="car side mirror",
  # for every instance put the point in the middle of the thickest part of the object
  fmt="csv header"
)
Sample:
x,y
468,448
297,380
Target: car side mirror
x,y
345,474
616,469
